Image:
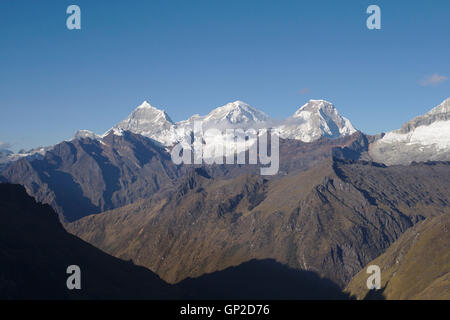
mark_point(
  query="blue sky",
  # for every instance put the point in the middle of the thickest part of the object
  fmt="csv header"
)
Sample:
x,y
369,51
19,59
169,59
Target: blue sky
x,y
192,56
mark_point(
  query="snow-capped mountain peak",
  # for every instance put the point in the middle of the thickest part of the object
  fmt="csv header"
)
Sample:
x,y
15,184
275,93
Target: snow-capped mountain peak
x,y
234,113
425,137
148,121
145,111
316,106
145,104
315,119
82,134
438,113
443,108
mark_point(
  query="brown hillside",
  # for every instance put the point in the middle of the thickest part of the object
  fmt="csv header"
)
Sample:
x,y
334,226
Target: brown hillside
x,y
416,266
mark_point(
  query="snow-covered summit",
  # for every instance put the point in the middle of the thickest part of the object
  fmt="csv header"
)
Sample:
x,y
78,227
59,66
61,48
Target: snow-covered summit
x,y
425,137
83,134
316,119
444,107
148,121
143,116
438,113
315,106
236,112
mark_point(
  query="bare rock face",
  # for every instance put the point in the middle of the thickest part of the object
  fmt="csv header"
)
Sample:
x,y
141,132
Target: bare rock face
x,y
332,219
425,138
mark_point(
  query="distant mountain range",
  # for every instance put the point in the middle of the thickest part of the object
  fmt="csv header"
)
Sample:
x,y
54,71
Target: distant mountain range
x,y
93,173
317,118
86,176
340,200
423,138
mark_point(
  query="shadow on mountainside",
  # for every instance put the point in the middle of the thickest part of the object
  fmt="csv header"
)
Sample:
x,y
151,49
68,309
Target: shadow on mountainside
x,y
375,294
261,279
35,252
70,195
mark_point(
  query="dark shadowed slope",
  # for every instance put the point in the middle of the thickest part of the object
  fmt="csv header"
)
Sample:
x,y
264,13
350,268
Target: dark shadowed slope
x,y
416,266
261,279
35,252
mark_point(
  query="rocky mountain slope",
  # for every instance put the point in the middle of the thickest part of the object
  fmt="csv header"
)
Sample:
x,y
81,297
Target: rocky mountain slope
x,y
4,158
416,266
92,173
332,219
424,138
7,156
86,176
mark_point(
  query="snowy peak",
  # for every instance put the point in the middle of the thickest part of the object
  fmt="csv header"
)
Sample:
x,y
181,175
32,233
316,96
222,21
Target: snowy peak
x,y
148,121
425,137
144,105
146,112
236,112
83,134
316,119
316,106
439,113
443,108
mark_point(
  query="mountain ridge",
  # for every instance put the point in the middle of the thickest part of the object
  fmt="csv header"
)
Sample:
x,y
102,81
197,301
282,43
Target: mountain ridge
x,y
426,137
158,126
86,176
331,219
